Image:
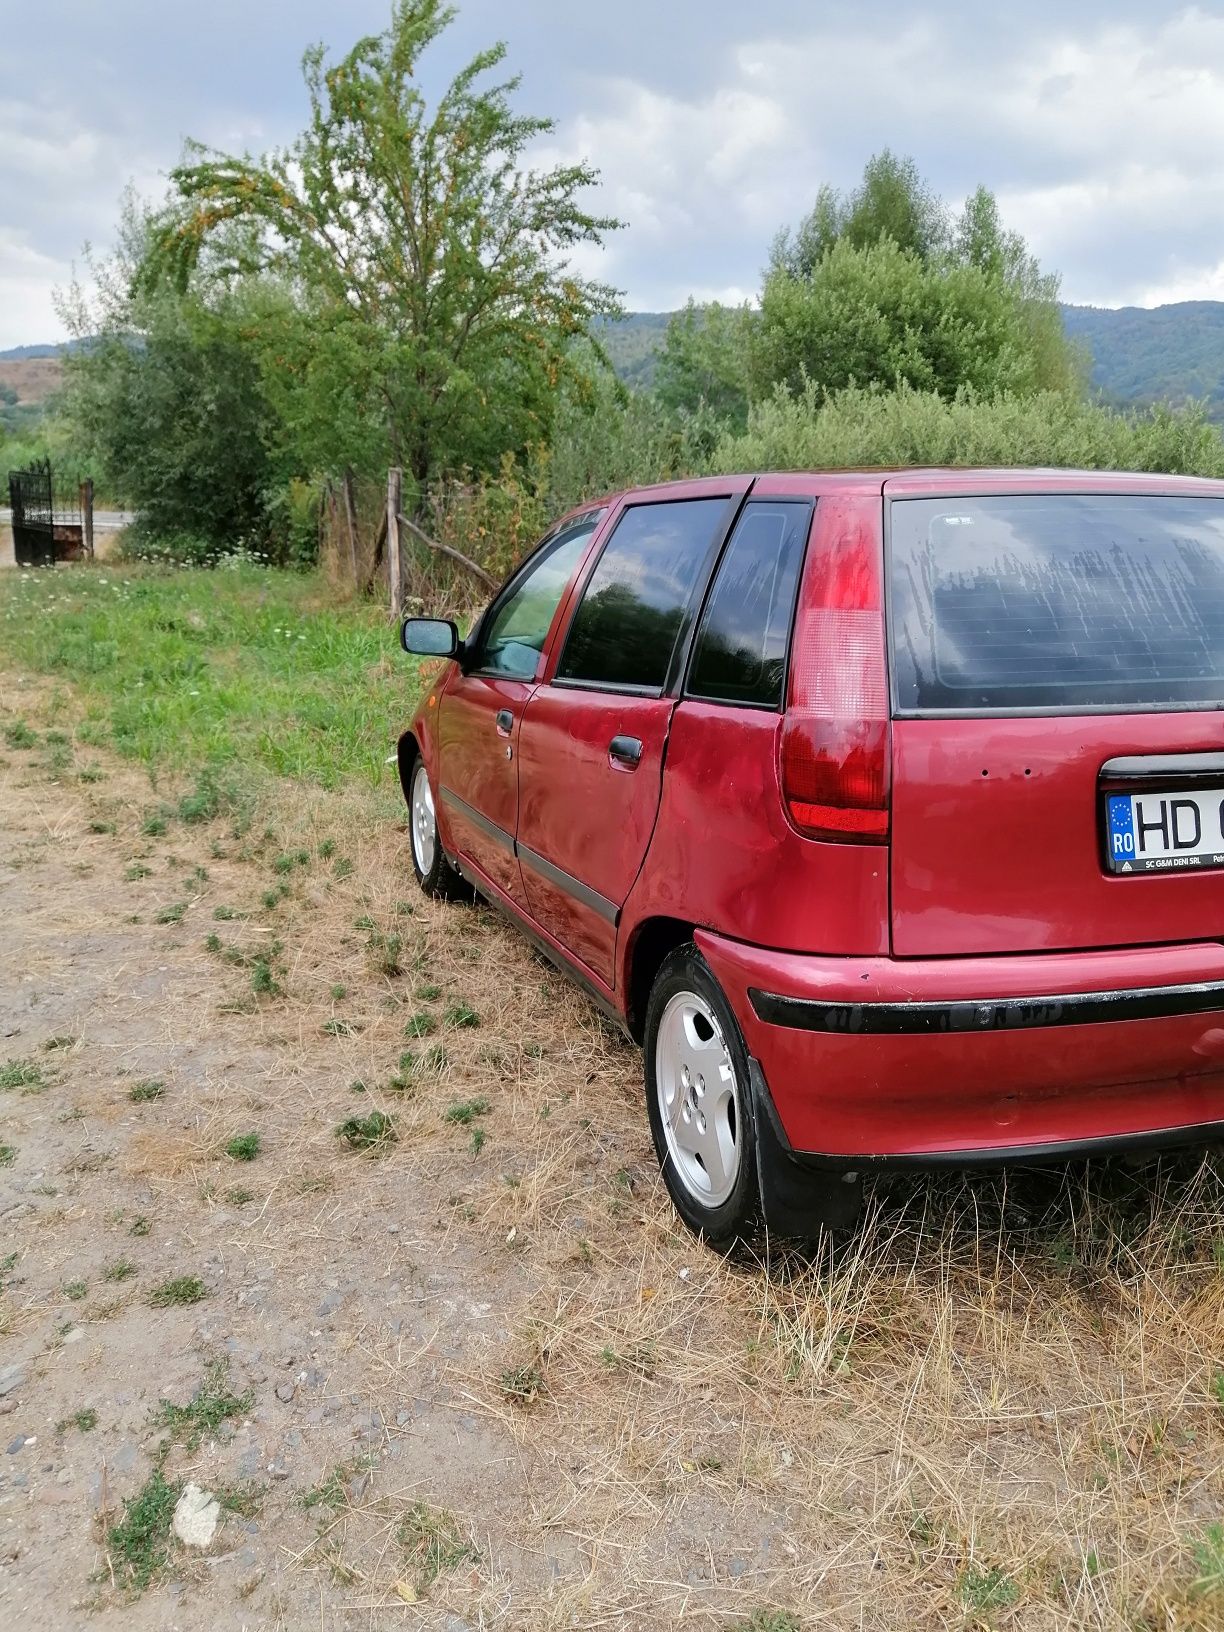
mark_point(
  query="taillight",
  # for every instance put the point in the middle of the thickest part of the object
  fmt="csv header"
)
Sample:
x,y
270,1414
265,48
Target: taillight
x,y
835,737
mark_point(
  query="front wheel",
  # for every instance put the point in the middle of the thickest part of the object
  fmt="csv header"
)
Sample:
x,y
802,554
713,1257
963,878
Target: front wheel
x,y
697,1097
434,873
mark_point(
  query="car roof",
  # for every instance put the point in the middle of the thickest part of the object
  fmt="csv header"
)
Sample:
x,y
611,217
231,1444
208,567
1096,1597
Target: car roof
x,y
915,480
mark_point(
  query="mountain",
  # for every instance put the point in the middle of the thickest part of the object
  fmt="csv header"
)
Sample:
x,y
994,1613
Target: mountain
x,y
1142,354
1139,355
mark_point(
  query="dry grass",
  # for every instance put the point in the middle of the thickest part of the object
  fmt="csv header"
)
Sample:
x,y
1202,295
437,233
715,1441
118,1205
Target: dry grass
x,y
999,1404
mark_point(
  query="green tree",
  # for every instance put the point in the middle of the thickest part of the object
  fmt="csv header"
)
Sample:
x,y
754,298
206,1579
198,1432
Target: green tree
x,y
891,201
429,261
166,401
704,361
883,288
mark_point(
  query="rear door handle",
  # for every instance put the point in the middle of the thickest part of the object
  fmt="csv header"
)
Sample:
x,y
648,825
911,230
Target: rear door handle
x,y
626,751
505,722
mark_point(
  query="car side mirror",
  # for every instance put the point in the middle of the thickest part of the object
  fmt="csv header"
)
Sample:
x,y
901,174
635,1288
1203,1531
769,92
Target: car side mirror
x,y
430,637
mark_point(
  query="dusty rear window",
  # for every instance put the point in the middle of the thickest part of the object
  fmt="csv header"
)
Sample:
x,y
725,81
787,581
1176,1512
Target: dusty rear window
x,y
1056,601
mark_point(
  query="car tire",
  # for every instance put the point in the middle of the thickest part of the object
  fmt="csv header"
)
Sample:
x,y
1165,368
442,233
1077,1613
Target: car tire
x,y
698,1101
434,873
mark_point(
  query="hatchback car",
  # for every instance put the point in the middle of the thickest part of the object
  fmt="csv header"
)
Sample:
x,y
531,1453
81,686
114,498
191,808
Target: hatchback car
x,y
886,811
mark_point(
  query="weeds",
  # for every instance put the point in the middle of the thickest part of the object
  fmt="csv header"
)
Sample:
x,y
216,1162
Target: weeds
x,y
136,870
461,1015
140,1093
172,914
210,1406
138,1547
373,1132
8,1155
84,1421
522,1384
24,1074
243,1147
433,1543
121,1270
179,1289
1209,1561
465,1111
332,1492
19,735
75,1290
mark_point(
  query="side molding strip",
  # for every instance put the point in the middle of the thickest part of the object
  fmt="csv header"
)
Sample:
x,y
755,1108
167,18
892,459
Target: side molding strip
x,y
607,910
987,1014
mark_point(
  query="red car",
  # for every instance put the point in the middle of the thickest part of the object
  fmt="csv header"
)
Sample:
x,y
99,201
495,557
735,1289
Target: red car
x,y
886,811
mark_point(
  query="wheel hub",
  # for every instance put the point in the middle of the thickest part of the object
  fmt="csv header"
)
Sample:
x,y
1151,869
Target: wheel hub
x,y
698,1098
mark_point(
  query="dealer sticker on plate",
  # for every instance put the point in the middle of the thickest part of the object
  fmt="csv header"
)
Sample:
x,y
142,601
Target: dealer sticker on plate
x,y
1165,832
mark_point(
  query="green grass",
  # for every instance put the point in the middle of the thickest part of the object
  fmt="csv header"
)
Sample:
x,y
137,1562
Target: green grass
x,y
373,1132
433,1543
138,1547
84,1421
1209,1562
243,1147
179,1289
24,1074
184,669
121,1270
461,1014
986,1589
141,1092
19,735
8,1155
172,914
75,1290
210,1406
464,1111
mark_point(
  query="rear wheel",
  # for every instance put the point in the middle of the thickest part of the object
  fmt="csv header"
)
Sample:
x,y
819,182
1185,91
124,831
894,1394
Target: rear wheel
x,y
697,1099
434,873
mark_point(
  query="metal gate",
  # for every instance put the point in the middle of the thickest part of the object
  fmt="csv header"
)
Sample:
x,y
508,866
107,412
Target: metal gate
x,y
32,498
48,525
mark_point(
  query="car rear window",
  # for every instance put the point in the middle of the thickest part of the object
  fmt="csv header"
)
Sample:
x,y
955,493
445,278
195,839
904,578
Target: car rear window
x,y
1060,601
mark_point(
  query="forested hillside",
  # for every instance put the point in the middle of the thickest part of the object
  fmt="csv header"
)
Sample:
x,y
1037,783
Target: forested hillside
x,y
1139,355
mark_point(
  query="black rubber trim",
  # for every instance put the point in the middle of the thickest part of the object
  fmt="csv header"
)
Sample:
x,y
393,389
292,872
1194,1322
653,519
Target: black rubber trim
x,y
491,829
987,1014
607,910
799,1197
1162,767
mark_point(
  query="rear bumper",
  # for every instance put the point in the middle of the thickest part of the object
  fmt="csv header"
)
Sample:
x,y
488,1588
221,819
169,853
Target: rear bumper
x,y
977,1060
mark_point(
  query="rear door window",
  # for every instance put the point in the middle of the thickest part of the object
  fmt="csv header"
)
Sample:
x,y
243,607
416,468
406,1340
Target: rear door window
x,y
639,595
740,652
1057,601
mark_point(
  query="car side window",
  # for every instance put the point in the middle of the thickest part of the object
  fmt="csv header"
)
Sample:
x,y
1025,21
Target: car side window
x,y
740,652
513,638
635,601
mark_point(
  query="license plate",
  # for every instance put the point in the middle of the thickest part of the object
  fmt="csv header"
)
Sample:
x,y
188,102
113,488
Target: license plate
x,y
1164,832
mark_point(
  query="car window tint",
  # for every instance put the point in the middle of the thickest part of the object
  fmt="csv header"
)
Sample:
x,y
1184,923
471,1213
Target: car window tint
x,y
515,636
634,604
740,653
1057,600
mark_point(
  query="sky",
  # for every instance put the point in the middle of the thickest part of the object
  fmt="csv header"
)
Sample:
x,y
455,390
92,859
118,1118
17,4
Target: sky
x,y
1099,124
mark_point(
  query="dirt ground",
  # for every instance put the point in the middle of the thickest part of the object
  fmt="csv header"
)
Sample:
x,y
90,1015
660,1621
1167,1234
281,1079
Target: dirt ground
x,y
478,1376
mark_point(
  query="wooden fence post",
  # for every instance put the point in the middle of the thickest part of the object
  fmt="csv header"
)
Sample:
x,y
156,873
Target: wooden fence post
x,y
394,491
87,497
352,530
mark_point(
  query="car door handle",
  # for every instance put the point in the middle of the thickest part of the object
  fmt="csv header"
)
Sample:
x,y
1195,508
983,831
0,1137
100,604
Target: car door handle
x,y
505,722
626,751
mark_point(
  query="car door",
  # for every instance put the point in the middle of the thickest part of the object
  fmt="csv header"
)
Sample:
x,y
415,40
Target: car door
x,y
480,710
592,740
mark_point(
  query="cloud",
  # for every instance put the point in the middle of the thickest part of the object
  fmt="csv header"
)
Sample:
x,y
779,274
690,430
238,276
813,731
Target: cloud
x,y
1104,141
1100,126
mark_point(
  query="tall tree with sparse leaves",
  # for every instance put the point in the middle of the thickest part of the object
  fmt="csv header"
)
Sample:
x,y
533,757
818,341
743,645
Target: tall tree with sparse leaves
x,y
428,258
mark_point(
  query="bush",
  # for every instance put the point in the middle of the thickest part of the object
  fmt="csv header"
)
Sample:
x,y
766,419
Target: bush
x,y
856,427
